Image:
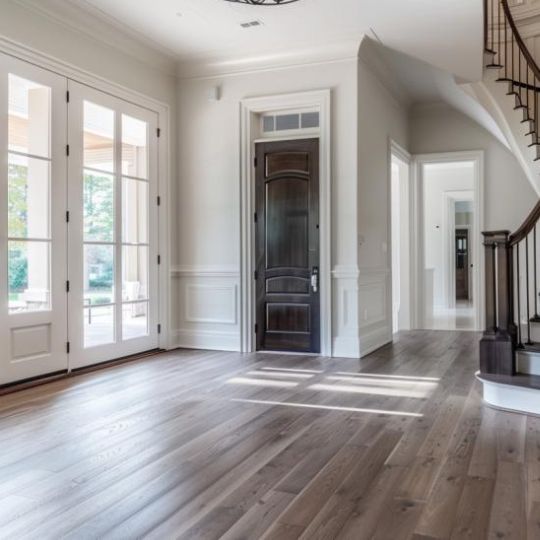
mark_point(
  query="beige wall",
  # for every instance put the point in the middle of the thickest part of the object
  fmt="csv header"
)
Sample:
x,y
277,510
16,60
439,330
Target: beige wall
x,y
381,117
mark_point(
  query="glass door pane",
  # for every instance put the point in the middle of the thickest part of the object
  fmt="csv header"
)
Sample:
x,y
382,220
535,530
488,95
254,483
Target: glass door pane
x,y
29,199
99,187
135,261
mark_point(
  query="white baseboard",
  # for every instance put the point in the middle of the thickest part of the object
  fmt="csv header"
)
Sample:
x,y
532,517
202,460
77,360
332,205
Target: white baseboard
x,y
373,340
214,341
345,347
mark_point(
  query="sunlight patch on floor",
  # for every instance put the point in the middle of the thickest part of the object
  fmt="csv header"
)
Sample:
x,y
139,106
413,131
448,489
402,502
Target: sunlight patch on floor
x,y
329,407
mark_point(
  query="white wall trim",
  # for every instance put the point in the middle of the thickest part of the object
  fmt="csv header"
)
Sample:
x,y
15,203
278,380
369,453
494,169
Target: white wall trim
x,y
371,341
346,272
397,151
249,108
205,271
476,156
206,340
74,73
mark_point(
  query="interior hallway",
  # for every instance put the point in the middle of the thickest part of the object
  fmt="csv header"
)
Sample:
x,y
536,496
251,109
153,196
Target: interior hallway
x,y
198,444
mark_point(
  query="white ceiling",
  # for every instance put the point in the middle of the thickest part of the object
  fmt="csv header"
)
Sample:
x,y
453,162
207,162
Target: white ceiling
x,y
446,33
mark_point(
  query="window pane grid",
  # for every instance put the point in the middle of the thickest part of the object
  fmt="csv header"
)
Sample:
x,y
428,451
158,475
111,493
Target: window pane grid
x,y
27,155
137,178
28,205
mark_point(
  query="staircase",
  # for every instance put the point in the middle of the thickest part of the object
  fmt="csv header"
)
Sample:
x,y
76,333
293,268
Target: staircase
x,y
510,346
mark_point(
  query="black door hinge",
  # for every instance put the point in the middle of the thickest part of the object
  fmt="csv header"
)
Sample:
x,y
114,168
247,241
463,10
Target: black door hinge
x,y
255,162
256,327
67,149
67,347
255,217
159,328
159,259
67,285
67,216
158,200
158,131
255,275
67,96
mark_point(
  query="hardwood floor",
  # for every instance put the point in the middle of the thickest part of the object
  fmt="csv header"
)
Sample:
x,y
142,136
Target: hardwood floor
x,y
194,444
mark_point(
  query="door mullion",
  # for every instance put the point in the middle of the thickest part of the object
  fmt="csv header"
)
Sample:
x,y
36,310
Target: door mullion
x,y
118,223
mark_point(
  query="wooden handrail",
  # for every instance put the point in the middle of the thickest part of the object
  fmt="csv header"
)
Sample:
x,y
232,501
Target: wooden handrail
x,y
527,226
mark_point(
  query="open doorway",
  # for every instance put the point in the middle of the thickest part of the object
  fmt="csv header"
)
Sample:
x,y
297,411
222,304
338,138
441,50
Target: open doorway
x,y
448,279
400,238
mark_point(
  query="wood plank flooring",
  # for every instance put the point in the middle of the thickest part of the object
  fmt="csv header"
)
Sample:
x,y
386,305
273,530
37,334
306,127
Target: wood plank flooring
x,y
204,445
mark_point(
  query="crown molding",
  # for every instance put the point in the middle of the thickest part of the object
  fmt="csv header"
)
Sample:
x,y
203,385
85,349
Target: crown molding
x,y
232,64
99,27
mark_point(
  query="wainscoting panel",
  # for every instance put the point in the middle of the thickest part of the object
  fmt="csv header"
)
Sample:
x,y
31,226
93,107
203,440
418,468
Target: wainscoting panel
x,y
208,300
345,341
374,309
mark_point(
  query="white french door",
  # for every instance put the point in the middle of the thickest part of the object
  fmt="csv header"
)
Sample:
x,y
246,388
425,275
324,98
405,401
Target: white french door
x,y
33,314
113,258
78,224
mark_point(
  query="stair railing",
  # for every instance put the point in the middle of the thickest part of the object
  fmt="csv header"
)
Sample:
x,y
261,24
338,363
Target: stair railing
x,y
511,278
512,58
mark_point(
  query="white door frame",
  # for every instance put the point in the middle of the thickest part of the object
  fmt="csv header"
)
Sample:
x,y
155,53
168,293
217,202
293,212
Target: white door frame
x,y
250,111
449,234
396,150
477,157
33,56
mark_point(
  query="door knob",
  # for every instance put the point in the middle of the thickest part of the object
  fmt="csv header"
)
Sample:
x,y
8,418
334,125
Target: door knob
x,y
315,279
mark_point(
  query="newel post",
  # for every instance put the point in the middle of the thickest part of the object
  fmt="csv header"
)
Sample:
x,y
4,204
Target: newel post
x,y
497,346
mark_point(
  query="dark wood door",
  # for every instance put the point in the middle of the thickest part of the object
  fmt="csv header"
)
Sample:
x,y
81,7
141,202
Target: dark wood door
x,y
287,246
462,264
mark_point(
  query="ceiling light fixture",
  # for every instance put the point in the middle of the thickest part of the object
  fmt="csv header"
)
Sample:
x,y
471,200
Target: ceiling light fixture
x,y
263,2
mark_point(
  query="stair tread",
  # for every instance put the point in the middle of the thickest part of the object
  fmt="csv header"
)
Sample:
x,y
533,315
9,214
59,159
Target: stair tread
x,y
521,379
533,347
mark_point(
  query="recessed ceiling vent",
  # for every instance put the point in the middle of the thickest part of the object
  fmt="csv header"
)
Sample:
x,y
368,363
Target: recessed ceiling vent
x,y
249,24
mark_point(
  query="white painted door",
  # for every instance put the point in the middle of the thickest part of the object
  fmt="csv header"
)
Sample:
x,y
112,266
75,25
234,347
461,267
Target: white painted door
x,y
113,233
33,319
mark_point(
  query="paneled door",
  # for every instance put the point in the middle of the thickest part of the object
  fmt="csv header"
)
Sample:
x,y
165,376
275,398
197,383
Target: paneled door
x,y
113,233
287,246
33,316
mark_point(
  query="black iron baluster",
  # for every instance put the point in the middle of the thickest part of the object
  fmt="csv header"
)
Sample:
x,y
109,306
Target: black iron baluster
x,y
493,26
536,318
519,77
533,129
528,297
499,59
505,48
513,63
520,343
